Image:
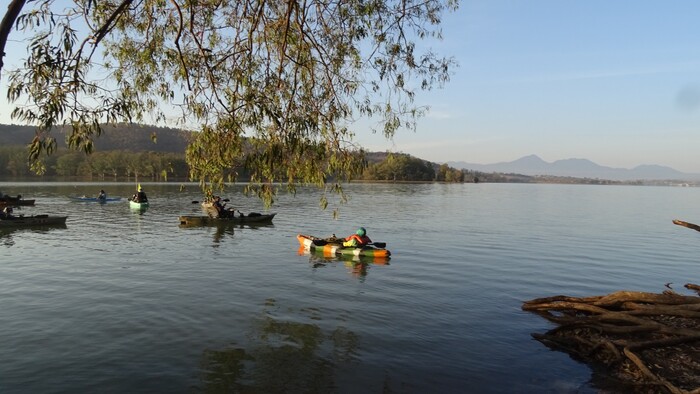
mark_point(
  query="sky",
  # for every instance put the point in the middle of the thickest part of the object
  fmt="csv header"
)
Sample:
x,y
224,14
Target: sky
x,y
614,82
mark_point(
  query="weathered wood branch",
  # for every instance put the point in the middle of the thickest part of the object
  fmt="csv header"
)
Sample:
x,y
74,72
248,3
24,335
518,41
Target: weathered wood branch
x,y
691,286
620,297
686,224
653,377
663,342
641,338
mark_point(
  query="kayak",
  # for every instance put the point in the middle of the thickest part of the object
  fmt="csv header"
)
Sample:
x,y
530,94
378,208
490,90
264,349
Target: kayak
x,y
251,218
95,199
317,257
334,247
138,205
15,202
33,220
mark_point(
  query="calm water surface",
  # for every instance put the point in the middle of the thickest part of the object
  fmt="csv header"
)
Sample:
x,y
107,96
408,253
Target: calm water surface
x,y
124,301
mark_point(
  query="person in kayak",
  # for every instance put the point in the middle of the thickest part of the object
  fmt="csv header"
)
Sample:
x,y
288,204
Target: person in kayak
x,y
360,238
140,196
102,195
221,210
6,213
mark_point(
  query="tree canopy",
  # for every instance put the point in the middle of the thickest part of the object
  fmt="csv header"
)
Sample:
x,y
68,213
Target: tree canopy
x,y
271,85
400,167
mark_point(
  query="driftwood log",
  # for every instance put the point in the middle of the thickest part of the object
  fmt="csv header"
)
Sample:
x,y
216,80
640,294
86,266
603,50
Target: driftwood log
x,y
686,224
645,342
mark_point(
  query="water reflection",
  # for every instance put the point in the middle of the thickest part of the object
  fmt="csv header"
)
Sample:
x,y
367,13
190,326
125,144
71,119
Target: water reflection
x,y
139,210
220,232
224,228
7,234
358,266
224,223
282,357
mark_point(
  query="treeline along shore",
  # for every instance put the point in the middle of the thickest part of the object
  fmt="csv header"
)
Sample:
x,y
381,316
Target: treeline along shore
x,y
125,152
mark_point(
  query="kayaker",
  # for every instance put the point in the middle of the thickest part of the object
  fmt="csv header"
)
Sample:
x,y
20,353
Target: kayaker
x,y
140,196
102,195
360,238
7,213
221,209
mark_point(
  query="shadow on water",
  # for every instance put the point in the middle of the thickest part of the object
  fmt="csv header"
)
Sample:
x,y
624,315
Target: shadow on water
x,y
282,357
358,266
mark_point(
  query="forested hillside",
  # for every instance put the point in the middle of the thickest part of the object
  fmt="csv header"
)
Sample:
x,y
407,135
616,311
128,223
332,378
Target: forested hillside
x,y
125,137
158,154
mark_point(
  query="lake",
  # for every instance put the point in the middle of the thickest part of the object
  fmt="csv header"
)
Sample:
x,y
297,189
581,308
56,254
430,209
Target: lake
x,y
123,301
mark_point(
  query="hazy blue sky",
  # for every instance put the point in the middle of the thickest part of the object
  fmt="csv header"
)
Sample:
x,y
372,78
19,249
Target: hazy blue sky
x,y
616,82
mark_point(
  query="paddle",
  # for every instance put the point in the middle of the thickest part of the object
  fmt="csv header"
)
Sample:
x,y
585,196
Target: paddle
x,y
224,200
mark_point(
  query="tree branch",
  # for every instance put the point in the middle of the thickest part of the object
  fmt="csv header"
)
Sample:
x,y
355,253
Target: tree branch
x,y
13,10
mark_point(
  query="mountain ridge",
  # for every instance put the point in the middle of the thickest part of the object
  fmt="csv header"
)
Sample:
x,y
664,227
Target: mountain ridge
x,y
533,165
134,137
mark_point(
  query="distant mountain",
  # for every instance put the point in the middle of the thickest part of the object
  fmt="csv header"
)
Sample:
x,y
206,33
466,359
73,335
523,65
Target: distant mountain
x,y
579,168
138,138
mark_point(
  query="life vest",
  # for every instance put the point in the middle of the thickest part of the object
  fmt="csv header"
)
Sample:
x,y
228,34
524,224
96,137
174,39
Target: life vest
x,y
356,240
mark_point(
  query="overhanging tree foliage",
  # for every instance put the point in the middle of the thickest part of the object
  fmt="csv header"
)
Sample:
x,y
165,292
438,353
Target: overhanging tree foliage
x,y
273,85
